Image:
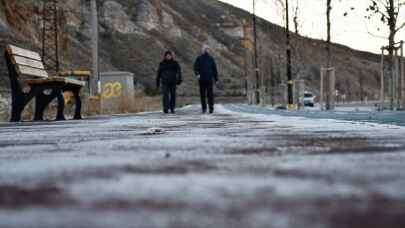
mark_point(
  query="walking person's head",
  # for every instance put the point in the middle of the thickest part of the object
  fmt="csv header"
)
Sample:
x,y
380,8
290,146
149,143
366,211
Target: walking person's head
x,y
168,55
205,49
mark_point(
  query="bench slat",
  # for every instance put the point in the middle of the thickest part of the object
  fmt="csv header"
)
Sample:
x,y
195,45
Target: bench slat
x,y
19,60
24,52
75,82
77,73
26,70
53,80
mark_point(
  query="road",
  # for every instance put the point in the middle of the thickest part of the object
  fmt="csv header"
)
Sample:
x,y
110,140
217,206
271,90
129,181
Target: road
x,y
342,113
231,169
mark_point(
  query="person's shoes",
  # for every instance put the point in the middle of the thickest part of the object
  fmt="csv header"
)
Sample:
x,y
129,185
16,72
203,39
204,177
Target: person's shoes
x,y
172,112
166,111
204,111
211,111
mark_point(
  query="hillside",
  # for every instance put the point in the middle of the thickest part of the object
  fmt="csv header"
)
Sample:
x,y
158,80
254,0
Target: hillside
x,y
134,34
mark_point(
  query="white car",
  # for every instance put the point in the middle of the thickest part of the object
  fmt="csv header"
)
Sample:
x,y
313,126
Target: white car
x,y
309,99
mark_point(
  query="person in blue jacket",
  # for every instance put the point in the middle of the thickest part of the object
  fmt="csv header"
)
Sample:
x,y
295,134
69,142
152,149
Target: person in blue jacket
x,y
205,69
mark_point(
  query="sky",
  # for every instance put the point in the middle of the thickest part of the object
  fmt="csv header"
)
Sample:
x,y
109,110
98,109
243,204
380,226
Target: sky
x,y
352,30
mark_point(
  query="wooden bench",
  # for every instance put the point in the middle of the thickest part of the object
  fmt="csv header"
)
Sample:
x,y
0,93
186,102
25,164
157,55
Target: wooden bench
x,y
26,70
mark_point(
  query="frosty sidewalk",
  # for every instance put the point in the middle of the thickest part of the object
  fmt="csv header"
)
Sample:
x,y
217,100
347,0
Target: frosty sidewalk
x,y
341,113
231,169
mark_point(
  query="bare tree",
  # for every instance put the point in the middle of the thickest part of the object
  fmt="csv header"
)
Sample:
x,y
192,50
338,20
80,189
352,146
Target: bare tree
x,y
284,4
288,54
297,45
387,11
328,28
296,18
329,80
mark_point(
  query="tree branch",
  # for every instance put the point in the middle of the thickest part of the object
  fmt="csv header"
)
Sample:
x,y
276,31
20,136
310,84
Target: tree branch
x,y
400,27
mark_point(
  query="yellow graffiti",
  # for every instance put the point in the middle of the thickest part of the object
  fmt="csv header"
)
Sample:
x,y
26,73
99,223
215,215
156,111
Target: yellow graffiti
x,y
112,89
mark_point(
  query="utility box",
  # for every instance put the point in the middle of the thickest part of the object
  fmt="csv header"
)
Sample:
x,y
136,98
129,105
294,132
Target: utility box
x,y
117,92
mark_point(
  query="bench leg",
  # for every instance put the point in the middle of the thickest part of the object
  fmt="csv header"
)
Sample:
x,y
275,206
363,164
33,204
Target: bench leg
x,y
19,101
39,108
61,105
78,110
16,110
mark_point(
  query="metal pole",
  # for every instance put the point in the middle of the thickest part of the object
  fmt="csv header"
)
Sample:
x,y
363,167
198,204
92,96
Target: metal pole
x,y
256,55
402,76
321,90
382,81
397,82
94,80
248,44
43,30
392,84
284,94
55,5
246,68
332,88
289,73
262,90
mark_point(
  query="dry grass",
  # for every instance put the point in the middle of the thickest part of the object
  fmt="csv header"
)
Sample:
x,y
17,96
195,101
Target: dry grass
x,y
140,103
91,107
146,104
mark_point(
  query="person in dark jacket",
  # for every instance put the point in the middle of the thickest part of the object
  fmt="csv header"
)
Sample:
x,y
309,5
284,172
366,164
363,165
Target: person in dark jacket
x,y
205,69
169,76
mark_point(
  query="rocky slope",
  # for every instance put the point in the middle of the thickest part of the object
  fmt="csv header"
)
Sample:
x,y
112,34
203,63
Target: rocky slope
x,y
134,33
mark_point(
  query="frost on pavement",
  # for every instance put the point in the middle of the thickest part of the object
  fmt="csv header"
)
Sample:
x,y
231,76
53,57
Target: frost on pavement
x,y
230,169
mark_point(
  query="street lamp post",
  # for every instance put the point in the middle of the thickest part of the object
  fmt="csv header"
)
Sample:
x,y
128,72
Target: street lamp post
x,y
289,73
257,94
94,80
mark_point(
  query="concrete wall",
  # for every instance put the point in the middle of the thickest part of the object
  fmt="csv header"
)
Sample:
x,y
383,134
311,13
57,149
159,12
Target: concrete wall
x,y
117,92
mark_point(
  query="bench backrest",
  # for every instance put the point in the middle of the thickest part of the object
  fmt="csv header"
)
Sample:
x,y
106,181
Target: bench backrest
x,y
27,62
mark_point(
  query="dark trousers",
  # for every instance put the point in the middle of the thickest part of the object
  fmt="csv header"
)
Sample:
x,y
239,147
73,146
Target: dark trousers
x,y
169,97
207,91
